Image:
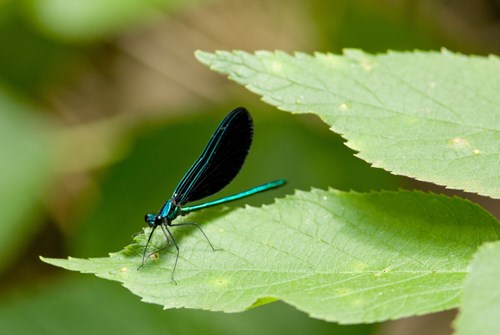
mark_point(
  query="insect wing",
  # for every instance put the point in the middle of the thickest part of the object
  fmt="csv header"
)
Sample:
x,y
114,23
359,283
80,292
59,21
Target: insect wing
x,y
220,161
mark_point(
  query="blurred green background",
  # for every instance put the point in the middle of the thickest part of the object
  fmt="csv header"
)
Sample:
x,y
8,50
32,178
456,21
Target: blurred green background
x,y
103,107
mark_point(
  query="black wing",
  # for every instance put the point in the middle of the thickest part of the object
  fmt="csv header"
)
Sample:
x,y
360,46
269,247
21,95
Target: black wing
x,y
220,161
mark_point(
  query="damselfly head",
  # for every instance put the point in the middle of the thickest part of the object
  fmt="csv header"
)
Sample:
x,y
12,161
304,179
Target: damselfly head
x,y
150,219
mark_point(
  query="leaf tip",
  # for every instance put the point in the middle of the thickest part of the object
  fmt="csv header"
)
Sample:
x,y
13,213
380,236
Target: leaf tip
x,y
203,56
48,260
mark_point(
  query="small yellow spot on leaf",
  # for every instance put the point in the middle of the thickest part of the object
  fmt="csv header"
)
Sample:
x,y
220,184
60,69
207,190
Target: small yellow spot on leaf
x,y
343,291
221,282
276,67
358,302
367,64
459,143
343,106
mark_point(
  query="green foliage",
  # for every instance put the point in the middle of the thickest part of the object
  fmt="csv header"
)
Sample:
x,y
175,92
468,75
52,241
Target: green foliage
x,y
427,115
92,19
87,306
369,256
480,302
26,158
339,256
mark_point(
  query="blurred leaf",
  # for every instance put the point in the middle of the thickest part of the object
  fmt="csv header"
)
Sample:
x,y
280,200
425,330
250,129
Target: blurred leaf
x,y
346,257
91,19
30,63
27,155
432,116
372,25
96,307
298,149
480,304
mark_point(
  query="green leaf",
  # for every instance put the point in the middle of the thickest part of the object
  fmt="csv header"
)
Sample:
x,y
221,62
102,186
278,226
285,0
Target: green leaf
x,y
90,19
339,256
480,304
27,155
428,115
